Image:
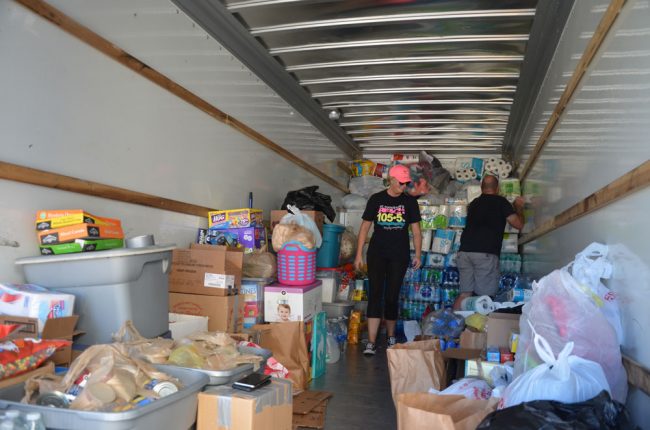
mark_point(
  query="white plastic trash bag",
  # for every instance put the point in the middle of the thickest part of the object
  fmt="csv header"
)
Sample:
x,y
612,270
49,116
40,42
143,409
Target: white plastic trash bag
x,y
561,312
294,216
589,267
354,201
471,388
567,378
366,186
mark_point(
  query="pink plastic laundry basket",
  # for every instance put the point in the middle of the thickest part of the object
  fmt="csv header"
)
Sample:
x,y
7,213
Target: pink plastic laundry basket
x,y
296,264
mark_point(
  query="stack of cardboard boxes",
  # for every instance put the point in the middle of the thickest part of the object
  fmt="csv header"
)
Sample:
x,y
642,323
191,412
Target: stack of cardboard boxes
x,y
204,280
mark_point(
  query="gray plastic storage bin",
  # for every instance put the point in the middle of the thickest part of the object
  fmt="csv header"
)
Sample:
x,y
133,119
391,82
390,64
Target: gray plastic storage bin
x,y
110,287
174,412
338,309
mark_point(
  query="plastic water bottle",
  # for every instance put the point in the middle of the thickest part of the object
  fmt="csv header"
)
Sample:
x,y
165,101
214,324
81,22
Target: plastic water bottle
x,y
34,421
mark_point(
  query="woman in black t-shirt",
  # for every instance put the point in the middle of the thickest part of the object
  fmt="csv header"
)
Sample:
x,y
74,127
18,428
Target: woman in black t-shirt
x,y
392,212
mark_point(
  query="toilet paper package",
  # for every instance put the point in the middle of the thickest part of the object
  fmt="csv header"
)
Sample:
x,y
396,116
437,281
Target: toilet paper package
x,y
443,241
427,236
34,301
437,261
441,219
457,216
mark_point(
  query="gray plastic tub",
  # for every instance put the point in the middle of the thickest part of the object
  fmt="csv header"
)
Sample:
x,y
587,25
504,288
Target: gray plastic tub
x,y
338,309
174,412
110,287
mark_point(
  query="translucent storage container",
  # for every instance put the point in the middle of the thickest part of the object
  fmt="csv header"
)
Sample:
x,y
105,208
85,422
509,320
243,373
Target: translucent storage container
x,y
110,287
338,309
174,412
331,279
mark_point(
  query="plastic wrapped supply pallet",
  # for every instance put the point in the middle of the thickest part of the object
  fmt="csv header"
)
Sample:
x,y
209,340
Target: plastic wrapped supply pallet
x,y
33,301
269,407
354,201
110,287
442,241
510,188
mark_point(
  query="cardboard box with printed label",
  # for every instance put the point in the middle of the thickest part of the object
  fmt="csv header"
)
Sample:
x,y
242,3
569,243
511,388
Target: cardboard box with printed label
x,y
206,270
289,303
222,311
499,327
266,408
317,216
235,218
54,328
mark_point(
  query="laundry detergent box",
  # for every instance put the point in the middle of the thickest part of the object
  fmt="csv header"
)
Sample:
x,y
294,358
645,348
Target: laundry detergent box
x,y
49,219
235,218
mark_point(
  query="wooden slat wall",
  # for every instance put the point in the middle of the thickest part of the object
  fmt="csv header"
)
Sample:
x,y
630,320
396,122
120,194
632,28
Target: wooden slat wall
x,y
91,38
14,172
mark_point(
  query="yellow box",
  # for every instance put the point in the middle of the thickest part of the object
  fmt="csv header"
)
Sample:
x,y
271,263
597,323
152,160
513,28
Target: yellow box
x,y
235,218
46,220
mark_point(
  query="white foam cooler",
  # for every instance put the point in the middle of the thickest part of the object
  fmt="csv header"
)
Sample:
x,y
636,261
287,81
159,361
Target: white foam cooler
x,y
110,287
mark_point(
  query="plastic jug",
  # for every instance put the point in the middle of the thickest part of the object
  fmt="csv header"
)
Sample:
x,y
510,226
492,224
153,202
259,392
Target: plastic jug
x,y
333,350
328,253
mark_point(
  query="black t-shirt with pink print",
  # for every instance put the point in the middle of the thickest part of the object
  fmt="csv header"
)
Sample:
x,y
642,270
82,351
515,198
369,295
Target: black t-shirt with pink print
x,y
391,217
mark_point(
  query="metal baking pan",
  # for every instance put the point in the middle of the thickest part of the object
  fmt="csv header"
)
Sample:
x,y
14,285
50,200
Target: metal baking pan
x,y
223,377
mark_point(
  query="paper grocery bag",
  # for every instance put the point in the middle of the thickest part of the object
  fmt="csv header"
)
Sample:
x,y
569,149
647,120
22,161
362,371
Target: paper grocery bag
x,y
432,411
287,342
416,367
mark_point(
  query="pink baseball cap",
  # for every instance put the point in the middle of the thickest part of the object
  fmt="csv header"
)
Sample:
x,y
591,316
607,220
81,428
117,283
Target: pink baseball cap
x,y
400,172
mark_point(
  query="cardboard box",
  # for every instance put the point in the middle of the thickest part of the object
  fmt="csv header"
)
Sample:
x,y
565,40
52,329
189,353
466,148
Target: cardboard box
x,y
182,325
46,220
54,328
81,245
267,408
248,239
235,218
317,216
79,231
204,270
499,326
480,369
288,303
472,339
222,311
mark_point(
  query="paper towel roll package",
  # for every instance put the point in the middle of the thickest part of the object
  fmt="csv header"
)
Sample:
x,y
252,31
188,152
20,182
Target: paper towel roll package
x,y
427,236
443,241
457,216
33,301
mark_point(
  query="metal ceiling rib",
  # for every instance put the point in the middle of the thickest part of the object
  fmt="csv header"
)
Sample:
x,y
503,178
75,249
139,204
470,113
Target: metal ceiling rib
x,y
403,75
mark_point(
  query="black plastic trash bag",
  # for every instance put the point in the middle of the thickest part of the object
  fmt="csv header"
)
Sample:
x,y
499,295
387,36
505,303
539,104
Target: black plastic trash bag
x,y
310,200
599,413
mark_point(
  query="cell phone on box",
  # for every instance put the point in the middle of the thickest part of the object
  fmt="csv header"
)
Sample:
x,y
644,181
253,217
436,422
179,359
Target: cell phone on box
x,y
252,382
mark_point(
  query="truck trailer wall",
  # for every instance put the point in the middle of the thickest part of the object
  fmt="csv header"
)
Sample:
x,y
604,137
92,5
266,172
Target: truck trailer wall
x,y
601,136
68,109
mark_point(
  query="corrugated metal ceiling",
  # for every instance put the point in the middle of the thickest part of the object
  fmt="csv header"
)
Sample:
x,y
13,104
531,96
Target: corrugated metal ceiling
x,y
403,75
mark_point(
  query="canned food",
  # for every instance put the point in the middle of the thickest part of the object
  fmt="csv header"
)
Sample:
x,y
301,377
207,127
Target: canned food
x,y
54,399
164,388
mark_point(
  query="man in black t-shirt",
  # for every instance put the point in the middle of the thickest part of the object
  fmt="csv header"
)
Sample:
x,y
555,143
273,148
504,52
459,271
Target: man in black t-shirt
x,y
392,211
480,244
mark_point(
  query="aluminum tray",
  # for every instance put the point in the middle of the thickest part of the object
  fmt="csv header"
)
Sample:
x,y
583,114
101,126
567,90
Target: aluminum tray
x,y
223,377
174,412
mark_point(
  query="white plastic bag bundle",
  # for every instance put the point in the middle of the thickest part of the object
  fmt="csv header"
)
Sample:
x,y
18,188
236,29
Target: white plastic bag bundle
x,y
471,388
562,313
567,378
588,268
366,186
294,216
354,201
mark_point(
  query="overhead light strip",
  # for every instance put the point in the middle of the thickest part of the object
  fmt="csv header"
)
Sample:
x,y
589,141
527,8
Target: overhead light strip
x,y
400,41
424,137
409,60
417,90
425,130
351,104
419,121
425,112
403,17
406,76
